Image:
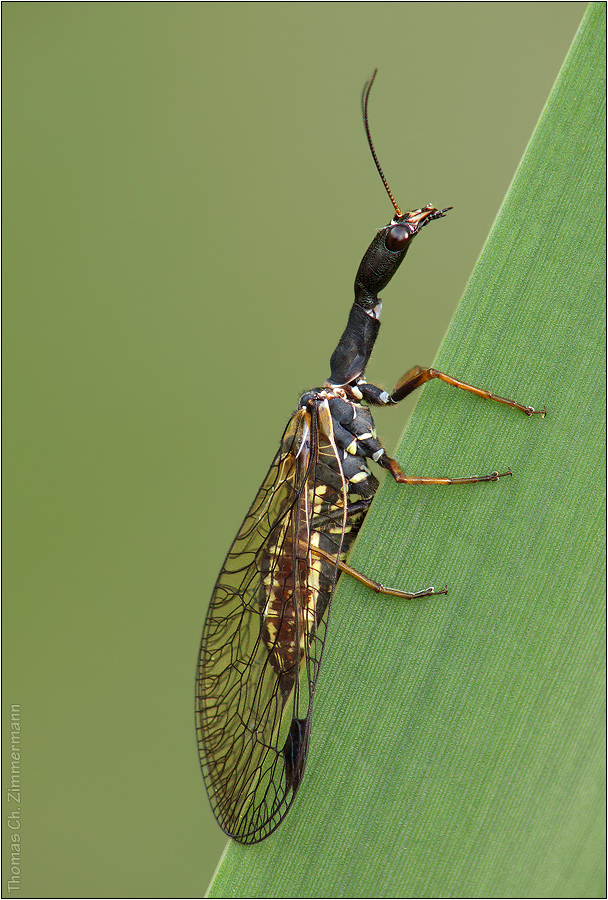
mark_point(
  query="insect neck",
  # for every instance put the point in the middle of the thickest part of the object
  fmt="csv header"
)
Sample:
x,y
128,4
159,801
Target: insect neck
x,y
349,359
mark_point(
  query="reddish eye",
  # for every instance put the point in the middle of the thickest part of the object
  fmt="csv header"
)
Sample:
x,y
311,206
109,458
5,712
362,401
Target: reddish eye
x,y
397,237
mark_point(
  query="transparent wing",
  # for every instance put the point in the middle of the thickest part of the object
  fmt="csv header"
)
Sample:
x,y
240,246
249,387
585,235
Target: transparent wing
x,y
264,634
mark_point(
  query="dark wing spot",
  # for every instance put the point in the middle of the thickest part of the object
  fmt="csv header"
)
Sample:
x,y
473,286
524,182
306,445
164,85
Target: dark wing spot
x,y
295,751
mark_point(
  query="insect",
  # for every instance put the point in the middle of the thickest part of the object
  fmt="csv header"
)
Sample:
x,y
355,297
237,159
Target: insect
x,y
265,629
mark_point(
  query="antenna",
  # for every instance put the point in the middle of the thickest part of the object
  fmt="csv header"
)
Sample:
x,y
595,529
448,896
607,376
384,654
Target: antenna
x,y
364,98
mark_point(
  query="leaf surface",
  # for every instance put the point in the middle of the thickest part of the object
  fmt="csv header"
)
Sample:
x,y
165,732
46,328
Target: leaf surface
x,y
457,744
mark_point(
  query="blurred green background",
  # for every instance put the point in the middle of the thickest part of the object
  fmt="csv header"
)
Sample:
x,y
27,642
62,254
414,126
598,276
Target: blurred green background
x,y
187,196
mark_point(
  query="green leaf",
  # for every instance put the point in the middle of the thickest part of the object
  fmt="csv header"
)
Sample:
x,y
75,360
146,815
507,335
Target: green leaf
x,y
457,741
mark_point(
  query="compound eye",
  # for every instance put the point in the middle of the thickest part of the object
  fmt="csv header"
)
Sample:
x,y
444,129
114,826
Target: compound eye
x,y
397,237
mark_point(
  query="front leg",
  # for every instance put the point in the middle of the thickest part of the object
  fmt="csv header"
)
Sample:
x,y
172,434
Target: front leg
x,y
417,376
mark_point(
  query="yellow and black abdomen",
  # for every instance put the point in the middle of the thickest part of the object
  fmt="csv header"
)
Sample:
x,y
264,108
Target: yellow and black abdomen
x,y
265,629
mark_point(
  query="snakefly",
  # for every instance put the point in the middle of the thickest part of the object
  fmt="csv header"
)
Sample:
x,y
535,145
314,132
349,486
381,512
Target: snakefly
x,y
265,630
